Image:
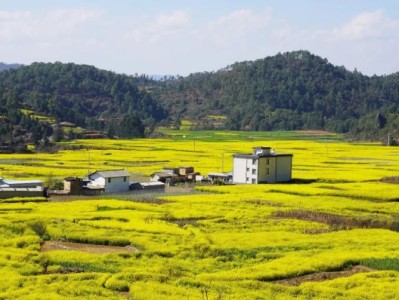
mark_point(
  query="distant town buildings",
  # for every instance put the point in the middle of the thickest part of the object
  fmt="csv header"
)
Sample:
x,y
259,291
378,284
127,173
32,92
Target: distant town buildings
x,y
262,166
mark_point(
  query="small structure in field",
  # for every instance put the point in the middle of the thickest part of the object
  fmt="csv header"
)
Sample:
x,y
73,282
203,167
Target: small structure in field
x,y
224,178
172,175
8,183
21,188
73,185
110,180
262,166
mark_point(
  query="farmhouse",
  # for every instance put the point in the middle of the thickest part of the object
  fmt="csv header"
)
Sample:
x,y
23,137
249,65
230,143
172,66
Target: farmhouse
x,y
262,166
110,180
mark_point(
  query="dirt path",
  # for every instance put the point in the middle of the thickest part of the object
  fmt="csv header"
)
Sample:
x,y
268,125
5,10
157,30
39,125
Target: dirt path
x,y
90,248
314,132
323,276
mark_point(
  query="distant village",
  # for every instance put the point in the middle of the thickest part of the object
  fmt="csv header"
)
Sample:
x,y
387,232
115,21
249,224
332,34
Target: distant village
x,y
261,166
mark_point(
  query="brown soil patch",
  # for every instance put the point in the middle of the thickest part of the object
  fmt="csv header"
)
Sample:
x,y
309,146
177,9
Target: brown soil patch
x,y
323,276
314,132
90,248
391,179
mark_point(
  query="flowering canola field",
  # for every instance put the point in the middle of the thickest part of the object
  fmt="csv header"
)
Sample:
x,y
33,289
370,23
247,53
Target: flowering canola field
x,y
303,240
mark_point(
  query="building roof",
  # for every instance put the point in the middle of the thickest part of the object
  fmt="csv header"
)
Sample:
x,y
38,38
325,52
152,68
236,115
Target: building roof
x,y
9,182
111,173
164,174
253,156
216,174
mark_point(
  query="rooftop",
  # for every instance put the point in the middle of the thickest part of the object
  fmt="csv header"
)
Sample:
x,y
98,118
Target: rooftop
x,y
111,173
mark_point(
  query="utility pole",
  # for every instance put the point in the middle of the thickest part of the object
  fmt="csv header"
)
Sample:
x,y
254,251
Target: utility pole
x,y
88,161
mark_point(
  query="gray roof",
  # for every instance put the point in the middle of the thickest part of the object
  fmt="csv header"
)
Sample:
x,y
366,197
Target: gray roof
x,y
111,173
254,156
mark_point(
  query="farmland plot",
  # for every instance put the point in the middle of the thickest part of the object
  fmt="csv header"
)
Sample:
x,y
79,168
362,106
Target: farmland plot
x,y
331,234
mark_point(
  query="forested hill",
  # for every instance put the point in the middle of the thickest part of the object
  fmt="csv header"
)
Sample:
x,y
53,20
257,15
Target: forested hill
x,y
295,90
4,66
84,95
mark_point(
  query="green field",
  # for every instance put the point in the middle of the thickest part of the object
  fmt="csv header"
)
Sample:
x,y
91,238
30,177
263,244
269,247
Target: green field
x,y
331,234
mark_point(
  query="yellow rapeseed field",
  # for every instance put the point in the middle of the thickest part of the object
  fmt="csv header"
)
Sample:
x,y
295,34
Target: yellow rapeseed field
x,y
331,234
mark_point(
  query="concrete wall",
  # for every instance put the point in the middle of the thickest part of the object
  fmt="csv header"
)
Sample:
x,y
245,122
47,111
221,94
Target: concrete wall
x,y
284,169
239,170
267,170
6,193
243,170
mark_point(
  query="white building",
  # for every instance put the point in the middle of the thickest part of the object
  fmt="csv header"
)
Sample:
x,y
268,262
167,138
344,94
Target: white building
x,y
262,166
110,180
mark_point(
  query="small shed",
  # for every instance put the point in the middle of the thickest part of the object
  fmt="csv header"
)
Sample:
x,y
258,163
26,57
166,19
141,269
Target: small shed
x,y
73,185
184,171
20,183
171,170
222,177
164,177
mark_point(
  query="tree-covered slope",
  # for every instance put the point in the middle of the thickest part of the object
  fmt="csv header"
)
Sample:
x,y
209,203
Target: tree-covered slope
x,y
89,97
295,90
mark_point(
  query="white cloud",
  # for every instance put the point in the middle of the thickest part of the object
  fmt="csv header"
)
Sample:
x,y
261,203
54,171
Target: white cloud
x,y
368,25
176,18
15,24
239,23
25,24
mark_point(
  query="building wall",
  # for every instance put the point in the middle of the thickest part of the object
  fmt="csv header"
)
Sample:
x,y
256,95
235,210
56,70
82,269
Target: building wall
x,y
239,170
284,169
245,170
267,170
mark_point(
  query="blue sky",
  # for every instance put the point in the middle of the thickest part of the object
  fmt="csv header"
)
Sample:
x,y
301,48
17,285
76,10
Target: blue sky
x,y
185,36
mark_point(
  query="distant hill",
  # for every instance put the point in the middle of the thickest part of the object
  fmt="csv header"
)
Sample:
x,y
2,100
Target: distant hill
x,y
84,95
4,67
294,90
288,91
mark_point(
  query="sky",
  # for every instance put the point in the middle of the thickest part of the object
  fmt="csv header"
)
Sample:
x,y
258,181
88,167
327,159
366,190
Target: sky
x,y
179,37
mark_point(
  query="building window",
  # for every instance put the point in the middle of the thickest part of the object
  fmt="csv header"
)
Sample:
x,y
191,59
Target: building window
x,y
247,179
267,171
267,161
247,169
253,181
109,180
254,161
124,179
253,171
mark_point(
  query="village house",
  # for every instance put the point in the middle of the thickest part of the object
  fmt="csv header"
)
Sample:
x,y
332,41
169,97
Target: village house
x,y
262,166
110,180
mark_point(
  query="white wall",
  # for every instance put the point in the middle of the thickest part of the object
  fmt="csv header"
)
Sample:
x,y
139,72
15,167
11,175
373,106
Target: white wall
x,y
239,170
